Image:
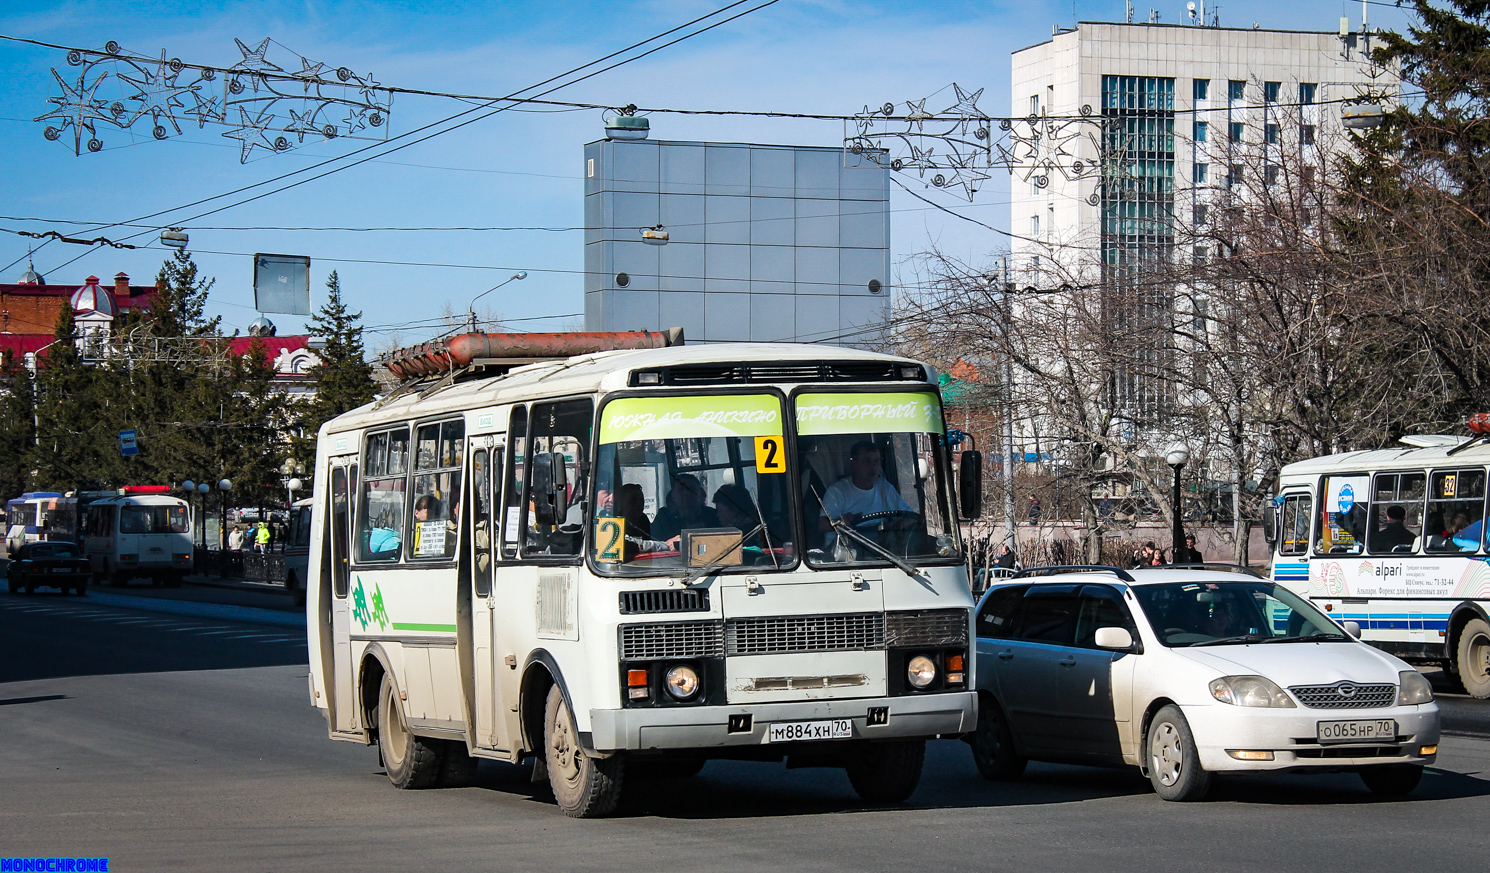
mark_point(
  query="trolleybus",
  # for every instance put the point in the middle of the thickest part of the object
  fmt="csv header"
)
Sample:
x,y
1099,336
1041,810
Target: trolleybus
x,y
1394,540
641,554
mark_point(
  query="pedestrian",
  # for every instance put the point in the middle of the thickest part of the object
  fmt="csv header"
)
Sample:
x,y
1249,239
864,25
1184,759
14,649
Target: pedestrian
x,y
261,538
1188,554
1034,510
1156,555
1105,509
235,538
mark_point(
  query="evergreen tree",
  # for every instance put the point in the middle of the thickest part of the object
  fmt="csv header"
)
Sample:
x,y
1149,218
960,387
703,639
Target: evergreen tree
x,y
180,300
71,431
17,425
343,378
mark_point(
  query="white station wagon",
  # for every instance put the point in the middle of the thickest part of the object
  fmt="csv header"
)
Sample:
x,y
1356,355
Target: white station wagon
x,y
1187,673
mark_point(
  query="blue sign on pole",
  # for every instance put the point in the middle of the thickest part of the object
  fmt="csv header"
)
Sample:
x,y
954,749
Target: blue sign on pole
x,y
127,444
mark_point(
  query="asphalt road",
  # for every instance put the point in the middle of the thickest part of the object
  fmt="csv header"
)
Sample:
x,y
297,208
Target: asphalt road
x,y
167,742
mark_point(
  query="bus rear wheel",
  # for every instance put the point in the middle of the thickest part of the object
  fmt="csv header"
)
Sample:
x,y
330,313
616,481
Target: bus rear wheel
x,y
1474,658
411,761
584,787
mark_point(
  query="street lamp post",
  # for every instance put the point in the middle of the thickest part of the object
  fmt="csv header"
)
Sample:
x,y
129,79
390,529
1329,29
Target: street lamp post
x,y
520,274
223,487
1177,456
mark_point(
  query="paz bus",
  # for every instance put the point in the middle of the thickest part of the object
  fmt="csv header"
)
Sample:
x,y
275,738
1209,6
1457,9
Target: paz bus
x,y
1394,540
142,531
603,551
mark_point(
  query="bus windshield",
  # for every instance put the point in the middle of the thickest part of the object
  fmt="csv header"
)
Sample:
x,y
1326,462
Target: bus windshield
x,y
873,471
689,482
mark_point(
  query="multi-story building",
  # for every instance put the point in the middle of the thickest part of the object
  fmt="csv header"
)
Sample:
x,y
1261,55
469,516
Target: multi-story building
x,y
736,242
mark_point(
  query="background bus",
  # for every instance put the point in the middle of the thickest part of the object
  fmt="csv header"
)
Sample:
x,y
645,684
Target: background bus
x,y
40,515
297,549
1394,540
141,532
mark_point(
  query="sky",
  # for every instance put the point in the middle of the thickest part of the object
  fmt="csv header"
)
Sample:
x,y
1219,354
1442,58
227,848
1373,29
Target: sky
x,y
513,169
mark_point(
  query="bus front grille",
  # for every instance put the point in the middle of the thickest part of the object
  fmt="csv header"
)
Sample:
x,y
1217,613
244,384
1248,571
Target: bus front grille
x,y
667,600
926,627
672,639
804,633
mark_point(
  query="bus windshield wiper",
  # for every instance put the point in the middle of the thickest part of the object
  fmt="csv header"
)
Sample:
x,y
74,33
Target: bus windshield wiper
x,y
905,566
1224,641
700,572
1308,638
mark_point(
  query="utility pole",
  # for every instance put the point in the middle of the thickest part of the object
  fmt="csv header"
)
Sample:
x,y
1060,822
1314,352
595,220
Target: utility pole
x,y
1009,538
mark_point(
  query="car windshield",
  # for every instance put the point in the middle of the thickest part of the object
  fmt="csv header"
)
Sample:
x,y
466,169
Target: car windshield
x,y
683,482
1225,613
873,470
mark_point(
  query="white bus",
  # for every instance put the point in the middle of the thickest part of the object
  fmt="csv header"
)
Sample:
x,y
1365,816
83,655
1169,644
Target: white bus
x,y
39,515
297,549
1394,540
621,558
141,532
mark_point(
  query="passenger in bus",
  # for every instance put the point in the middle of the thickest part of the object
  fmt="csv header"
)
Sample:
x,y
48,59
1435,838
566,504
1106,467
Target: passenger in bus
x,y
863,491
736,509
686,508
1394,534
384,536
1433,529
630,501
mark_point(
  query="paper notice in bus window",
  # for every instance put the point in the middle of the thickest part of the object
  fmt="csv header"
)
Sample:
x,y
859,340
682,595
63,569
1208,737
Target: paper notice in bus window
x,y
610,540
510,534
430,539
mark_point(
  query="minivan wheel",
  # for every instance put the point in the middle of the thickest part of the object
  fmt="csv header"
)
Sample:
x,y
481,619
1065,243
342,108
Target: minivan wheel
x,y
993,745
1392,780
1174,761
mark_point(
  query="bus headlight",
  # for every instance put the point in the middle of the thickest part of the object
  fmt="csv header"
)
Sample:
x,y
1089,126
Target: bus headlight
x,y
920,672
682,682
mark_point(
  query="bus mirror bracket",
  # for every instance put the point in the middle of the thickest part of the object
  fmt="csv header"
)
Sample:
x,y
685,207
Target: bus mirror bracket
x,y
970,485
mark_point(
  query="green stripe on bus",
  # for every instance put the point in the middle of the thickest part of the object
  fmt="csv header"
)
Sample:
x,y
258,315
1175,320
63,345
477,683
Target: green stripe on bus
x,y
399,625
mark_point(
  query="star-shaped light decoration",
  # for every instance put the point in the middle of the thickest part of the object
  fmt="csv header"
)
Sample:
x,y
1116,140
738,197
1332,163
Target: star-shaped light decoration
x,y
300,125
254,60
157,93
309,71
967,104
250,133
207,109
78,108
918,114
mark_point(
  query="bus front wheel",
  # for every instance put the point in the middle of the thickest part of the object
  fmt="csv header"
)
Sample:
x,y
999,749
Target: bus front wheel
x,y
887,772
411,761
584,787
1474,658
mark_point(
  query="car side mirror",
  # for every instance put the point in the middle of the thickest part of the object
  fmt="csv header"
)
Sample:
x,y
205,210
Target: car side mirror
x,y
1113,638
970,485
1353,628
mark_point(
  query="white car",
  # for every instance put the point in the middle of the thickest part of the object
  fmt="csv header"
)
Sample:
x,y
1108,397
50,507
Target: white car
x,y
1188,673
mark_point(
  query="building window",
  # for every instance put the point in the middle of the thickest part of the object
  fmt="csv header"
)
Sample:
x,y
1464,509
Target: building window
x,y
1035,262
1236,89
1201,253
1202,89
1201,129
1270,174
1270,133
1034,104
1035,226
1200,172
1270,91
1307,92
1234,176
1237,130
1306,134
1202,213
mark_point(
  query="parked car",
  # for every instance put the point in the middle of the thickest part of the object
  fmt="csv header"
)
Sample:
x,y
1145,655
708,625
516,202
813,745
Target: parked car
x,y
57,565
1188,673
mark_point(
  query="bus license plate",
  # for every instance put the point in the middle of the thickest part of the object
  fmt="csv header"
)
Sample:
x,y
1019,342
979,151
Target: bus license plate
x,y
1357,731
836,729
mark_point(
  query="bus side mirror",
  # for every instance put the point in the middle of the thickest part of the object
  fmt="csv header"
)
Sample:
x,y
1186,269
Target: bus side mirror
x,y
1270,523
970,485
542,489
558,477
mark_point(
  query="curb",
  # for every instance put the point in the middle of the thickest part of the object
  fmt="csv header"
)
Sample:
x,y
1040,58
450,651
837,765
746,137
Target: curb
x,y
247,614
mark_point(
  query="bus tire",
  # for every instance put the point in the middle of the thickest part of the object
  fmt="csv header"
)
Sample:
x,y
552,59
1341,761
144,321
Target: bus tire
x,y
172,580
1474,658
410,761
584,787
887,772
295,589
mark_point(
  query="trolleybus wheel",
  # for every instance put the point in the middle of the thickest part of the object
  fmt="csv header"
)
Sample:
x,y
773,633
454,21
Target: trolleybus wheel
x,y
584,787
1474,658
1174,761
887,772
411,762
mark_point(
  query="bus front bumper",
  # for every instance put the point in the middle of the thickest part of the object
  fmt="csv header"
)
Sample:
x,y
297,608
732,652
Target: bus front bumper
x,y
700,727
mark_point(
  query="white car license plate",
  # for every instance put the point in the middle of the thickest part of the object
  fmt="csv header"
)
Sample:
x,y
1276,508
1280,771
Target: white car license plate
x,y
61,569
1357,731
785,732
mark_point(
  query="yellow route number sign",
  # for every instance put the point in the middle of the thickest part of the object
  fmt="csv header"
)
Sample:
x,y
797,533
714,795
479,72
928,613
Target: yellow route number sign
x,y
770,454
610,540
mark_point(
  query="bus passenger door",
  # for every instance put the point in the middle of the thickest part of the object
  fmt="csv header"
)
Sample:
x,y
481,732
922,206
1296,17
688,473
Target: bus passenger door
x,y
343,698
485,695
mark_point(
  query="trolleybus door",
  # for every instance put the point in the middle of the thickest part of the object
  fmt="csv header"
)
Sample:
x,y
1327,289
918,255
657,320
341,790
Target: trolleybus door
x,y
486,480
339,516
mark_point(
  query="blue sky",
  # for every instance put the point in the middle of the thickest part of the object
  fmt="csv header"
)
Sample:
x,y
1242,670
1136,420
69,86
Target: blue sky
x,y
515,168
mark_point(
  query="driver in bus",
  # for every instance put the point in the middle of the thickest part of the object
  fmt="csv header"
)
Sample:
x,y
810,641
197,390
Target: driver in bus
x,y
863,491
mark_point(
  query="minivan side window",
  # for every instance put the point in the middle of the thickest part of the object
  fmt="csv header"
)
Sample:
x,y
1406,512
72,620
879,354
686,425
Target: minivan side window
x,y
1100,607
1048,618
999,610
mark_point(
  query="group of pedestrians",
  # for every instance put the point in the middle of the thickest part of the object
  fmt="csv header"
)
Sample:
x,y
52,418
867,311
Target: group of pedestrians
x,y
256,536
1150,555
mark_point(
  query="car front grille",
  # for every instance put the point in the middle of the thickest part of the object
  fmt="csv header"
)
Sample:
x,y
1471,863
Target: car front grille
x,y
926,627
672,639
805,633
1353,752
1345,695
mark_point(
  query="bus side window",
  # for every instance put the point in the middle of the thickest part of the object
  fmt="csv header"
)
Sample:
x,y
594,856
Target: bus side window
x,y
1396,513
561,437
1293,525
512,508
1342,522
436,490
1454,523
481,521
381,516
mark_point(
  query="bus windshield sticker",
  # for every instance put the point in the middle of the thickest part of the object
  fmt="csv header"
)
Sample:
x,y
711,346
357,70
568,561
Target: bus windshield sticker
x,y
770,455
821,414
610,534
630,419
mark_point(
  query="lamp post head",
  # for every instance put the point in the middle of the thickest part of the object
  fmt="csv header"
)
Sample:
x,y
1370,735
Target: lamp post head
x,y
203,488
294,484
520,274
1178,455
189,485
224,485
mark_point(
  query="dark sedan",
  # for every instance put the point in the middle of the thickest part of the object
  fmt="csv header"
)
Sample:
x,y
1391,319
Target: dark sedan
x,y
55,565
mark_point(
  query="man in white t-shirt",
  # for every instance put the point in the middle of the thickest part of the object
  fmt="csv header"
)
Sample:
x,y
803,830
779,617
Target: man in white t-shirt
x,y
863,491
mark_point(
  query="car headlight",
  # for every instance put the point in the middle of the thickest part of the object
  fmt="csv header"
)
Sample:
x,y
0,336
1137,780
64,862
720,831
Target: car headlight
x,y
1413,688
1250,691
920,672
682,682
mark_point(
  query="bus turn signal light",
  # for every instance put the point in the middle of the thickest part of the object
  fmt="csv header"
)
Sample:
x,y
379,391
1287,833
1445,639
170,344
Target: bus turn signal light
x,y
636,681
